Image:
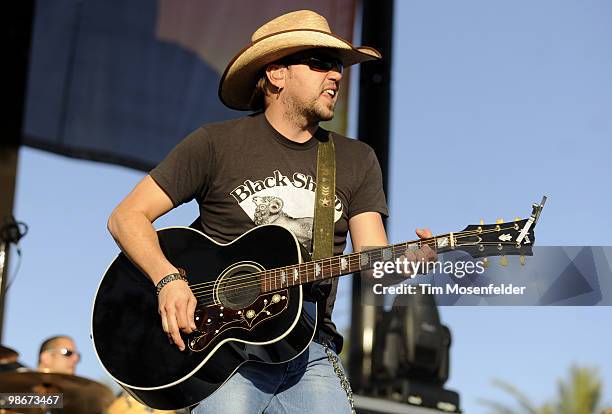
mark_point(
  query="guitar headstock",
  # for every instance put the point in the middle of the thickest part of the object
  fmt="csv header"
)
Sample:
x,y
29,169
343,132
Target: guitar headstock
x,y
502,238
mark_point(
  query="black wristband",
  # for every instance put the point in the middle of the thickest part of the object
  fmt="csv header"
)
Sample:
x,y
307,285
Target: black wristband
x,y
181,275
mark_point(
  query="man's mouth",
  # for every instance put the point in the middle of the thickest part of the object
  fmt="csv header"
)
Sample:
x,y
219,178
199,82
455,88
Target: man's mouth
x,y
330,92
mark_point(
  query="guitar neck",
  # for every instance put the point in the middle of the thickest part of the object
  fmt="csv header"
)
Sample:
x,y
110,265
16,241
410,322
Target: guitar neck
x,y
336,266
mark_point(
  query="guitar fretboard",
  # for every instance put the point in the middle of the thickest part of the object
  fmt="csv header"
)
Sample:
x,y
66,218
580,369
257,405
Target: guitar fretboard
x,y
335,266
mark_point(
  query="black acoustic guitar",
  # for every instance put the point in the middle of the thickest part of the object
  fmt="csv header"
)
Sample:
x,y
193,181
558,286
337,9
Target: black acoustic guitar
x,y
250,304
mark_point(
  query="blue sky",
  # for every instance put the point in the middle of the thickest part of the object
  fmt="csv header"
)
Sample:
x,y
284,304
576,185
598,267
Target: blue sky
x,y
494,105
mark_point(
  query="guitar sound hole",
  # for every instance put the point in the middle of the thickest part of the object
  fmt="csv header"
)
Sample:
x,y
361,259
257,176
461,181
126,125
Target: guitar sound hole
x,y
237,289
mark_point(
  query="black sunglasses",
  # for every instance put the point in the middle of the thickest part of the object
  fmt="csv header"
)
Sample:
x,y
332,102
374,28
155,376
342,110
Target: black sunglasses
x,y
316,62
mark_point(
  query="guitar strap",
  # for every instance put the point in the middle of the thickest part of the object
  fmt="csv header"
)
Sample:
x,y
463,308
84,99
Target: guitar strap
x,y
323,222
325,196
323,237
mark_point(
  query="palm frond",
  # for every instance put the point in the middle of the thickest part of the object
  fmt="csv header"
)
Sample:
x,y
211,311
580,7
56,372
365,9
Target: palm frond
x,y
581,394
522,399
498,408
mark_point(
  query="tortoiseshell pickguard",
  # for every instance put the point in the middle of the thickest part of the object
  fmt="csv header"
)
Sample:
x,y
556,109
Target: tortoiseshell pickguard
x,y
214,320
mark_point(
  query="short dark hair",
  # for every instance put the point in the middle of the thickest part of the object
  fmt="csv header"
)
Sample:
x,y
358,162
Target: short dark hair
x,y
258,97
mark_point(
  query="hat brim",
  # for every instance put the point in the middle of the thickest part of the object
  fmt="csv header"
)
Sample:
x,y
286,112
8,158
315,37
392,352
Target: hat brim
x,y
238,80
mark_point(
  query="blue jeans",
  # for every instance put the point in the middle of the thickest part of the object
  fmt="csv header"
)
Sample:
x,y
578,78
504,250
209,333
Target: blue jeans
x,y
306,384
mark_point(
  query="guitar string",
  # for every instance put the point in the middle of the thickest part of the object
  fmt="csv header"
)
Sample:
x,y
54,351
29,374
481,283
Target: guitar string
x,y
210,293
208,299
254,279
429,241
255,276
374,255
245,292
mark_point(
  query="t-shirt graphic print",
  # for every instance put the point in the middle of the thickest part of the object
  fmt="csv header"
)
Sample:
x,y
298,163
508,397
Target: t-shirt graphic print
x,y
287,201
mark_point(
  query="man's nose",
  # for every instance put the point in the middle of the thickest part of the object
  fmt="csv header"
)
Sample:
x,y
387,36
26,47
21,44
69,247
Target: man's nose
x,y
334,75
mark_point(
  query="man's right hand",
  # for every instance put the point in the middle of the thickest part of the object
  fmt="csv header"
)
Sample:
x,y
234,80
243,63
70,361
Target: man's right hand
x,y
177,306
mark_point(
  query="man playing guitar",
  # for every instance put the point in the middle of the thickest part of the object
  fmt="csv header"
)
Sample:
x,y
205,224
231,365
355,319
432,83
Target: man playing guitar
x,y
261,169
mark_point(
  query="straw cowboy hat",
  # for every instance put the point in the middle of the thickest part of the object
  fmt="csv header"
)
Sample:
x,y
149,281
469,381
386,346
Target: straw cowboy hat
x,y
290,33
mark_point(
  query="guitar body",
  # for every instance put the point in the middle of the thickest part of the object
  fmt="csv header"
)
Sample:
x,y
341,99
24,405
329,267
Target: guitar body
x,y
236,322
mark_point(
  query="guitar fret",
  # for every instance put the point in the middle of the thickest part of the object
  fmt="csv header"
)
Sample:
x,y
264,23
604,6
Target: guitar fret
x,y
364,259
343,264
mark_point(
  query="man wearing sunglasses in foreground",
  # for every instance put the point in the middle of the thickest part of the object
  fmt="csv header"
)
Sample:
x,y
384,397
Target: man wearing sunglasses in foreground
x,y
59,355
261,169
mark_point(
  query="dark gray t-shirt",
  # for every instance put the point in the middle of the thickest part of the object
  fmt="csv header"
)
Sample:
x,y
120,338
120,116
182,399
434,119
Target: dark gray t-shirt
x,y
244,173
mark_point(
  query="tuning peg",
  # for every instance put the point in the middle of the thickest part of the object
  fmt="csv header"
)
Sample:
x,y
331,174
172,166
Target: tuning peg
x,y
485,262
503,261
522,259
499,221
481,222
517,218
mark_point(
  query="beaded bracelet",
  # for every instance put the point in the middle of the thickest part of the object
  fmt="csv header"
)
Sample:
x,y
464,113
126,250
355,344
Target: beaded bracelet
x,y
181,275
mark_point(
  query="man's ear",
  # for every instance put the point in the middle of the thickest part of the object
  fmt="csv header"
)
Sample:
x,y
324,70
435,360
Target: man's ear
x,y
277,75
45,359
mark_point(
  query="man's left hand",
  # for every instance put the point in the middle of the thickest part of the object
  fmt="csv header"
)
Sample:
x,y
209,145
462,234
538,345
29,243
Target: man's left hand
x,y
425,254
